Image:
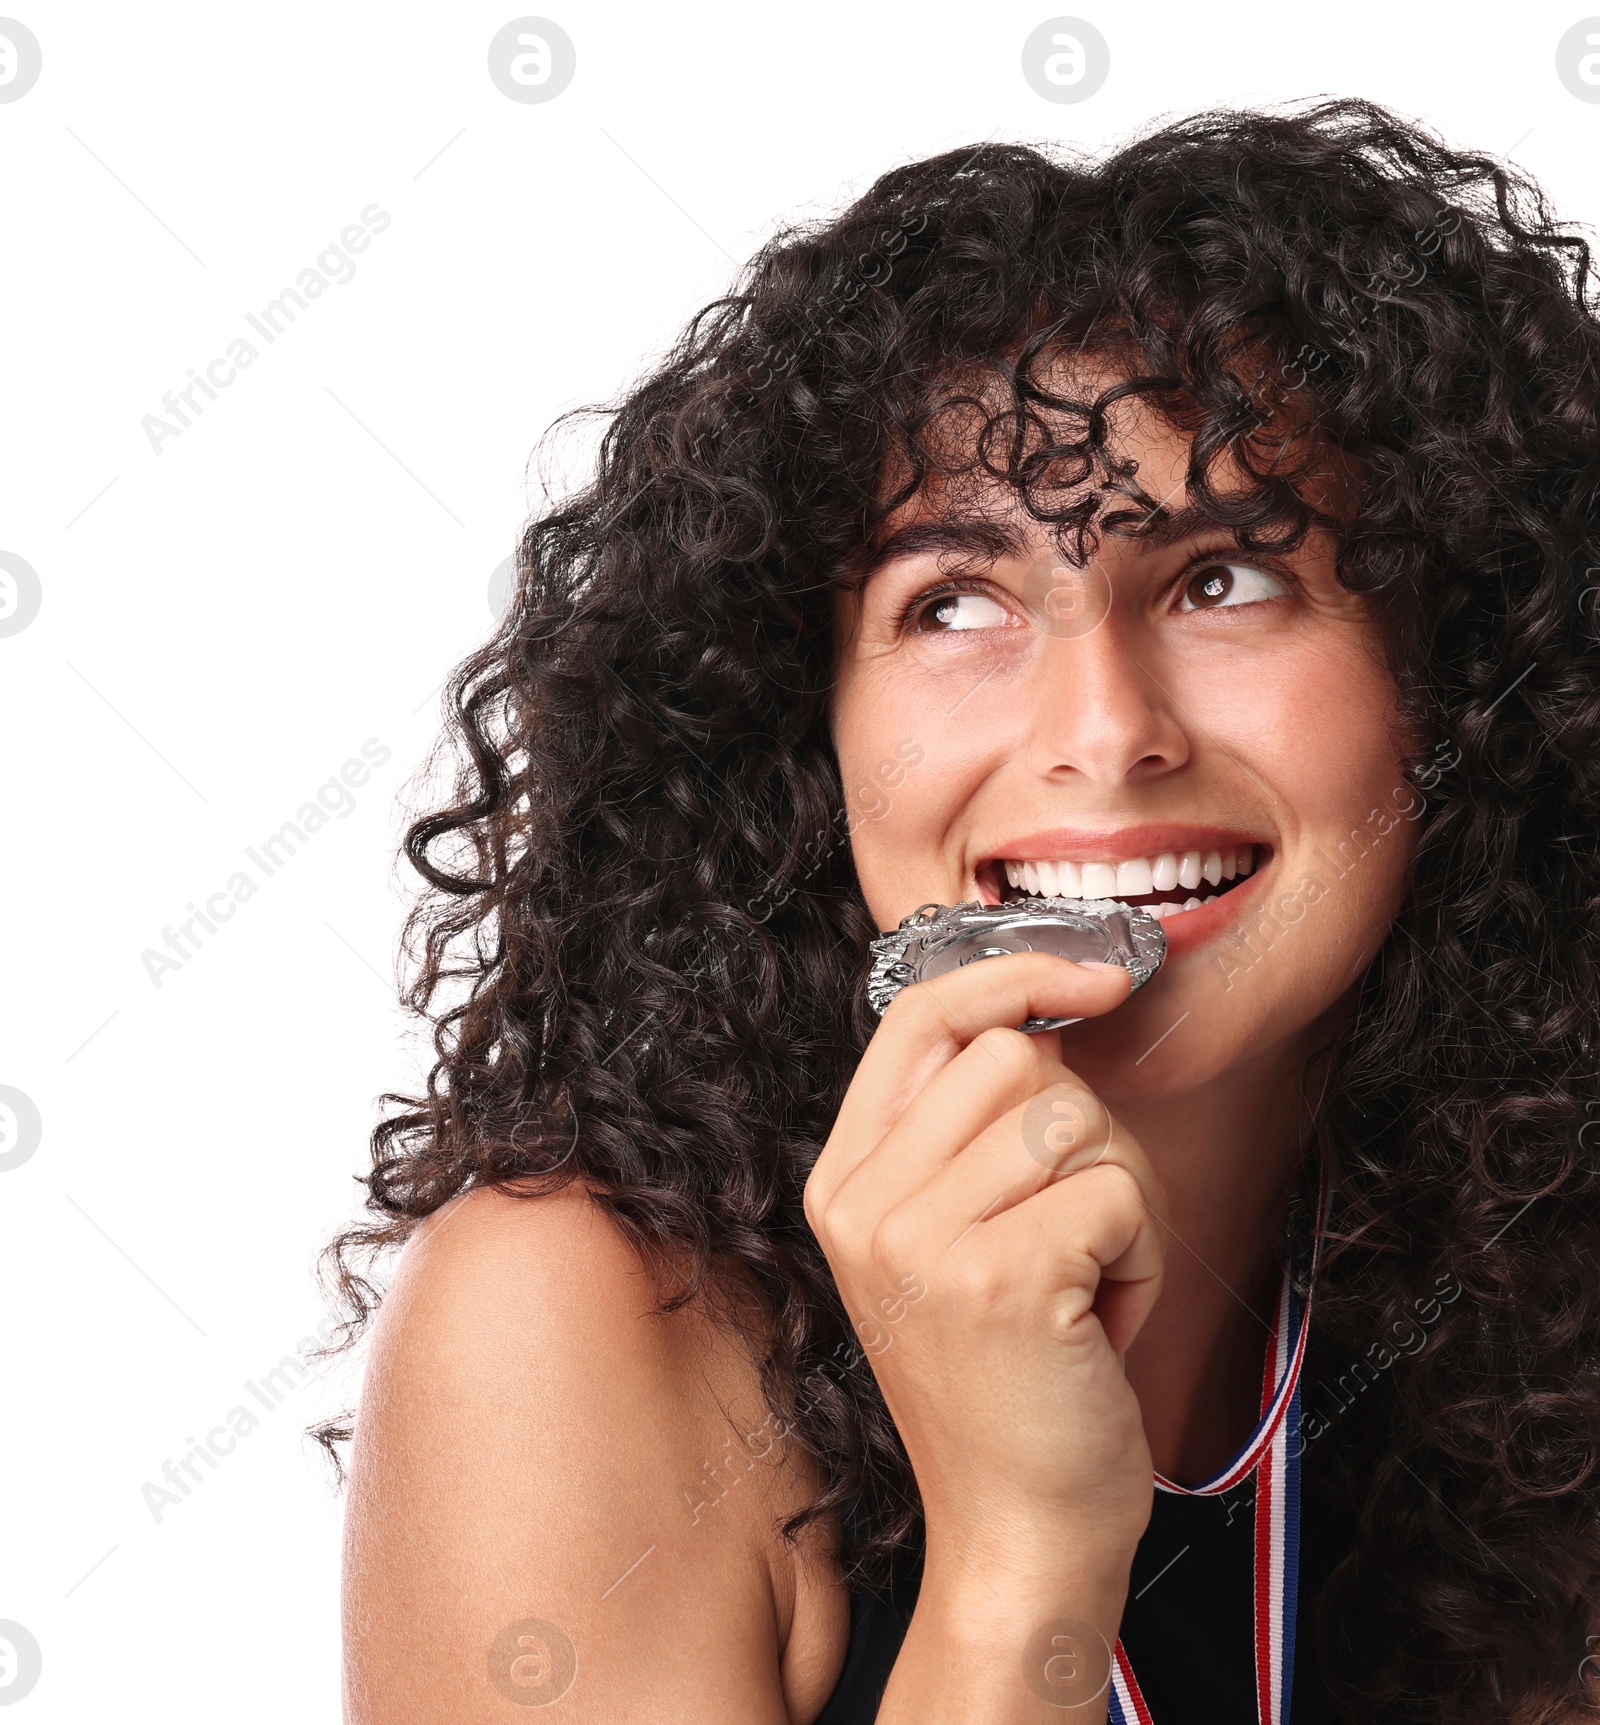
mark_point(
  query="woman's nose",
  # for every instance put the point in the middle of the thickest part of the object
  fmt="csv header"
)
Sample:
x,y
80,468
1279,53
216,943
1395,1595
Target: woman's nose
x,y
1099,711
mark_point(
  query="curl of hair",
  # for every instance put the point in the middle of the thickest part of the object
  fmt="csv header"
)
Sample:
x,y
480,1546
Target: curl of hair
x,y
642,944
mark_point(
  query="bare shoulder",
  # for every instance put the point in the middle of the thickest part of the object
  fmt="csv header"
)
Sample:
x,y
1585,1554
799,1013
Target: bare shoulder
x,y
556,1489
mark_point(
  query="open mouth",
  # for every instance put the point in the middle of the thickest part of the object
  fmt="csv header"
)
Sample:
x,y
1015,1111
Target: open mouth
x,y
1165,884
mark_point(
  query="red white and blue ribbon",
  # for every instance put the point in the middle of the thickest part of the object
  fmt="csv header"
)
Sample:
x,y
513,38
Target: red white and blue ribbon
x,y
1272,1453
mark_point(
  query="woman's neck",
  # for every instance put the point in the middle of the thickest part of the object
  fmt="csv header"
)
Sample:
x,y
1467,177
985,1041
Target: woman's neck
x,y
1227,1156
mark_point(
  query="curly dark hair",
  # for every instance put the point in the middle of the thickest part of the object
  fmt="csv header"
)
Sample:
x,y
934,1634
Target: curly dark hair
x,y
642,944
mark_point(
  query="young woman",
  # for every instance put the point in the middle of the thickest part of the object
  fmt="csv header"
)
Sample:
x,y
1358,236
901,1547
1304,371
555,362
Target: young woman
x,y
1214,528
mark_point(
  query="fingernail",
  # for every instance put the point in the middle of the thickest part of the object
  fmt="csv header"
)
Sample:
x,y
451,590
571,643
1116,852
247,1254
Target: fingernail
x,y
1096,964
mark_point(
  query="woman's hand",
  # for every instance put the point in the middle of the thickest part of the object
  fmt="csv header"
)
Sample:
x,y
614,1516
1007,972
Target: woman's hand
x,y
995,1237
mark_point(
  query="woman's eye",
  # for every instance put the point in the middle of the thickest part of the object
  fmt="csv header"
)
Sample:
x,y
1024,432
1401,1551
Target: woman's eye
x,y
953,611
1229,584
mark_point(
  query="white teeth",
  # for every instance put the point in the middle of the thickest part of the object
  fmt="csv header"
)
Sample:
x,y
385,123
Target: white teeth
x,y
1162,911
1133,877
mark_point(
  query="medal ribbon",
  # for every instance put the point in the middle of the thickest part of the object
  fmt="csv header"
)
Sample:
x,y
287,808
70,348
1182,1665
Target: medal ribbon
x,y
1272,1452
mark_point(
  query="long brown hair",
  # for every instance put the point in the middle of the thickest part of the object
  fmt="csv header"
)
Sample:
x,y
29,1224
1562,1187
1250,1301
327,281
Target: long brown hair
x,y
642,943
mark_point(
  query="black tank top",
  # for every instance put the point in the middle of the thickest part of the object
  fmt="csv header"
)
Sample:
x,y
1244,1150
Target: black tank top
x,y
1188,1627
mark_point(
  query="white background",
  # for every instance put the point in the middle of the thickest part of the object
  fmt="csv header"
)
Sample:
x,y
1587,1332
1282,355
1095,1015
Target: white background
x,y
225,623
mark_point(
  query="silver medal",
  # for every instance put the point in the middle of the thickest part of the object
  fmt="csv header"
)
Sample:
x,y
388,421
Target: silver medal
x,y
937,939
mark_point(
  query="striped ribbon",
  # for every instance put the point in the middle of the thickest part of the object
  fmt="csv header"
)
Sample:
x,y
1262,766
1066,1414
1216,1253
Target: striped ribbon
x,y
1272,1452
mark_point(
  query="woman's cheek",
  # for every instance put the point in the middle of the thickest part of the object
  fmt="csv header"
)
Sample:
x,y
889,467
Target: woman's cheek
x,y
871,789
905,788
895,831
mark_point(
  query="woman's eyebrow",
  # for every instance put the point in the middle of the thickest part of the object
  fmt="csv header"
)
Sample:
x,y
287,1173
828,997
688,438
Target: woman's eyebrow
x,y
993,539
1162,526
969,535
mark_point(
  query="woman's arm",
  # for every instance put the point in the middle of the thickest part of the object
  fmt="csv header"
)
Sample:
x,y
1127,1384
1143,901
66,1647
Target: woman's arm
x,y
558,1493
1033,1263
536,1448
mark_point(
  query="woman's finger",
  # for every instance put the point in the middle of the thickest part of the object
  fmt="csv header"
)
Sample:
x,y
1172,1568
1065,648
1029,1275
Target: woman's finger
x,y
1104,1246
1010,1162
1005,1084
930,1023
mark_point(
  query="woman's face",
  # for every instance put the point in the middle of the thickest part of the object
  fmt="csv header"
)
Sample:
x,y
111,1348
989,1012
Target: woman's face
x,y
1029,726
